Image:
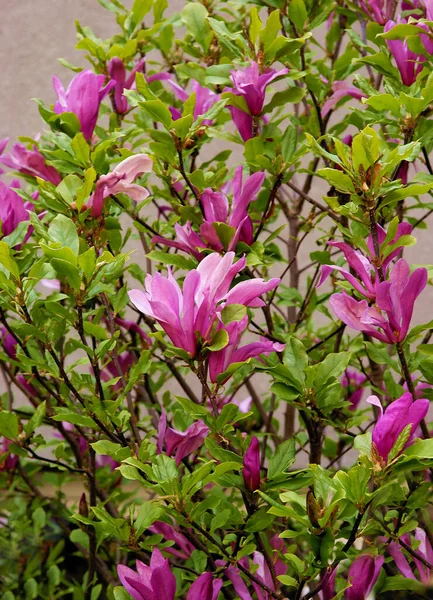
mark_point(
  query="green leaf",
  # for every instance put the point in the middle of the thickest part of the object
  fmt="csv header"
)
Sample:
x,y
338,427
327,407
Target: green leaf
x,y
331,368
283,458
121,594
420,449
37,418
148,513
225,233
81,149
8,262
194,15
191,408
287,580
298,14
158,112
292,95
172,259
63,230
8,425
337,179
233,312
219,341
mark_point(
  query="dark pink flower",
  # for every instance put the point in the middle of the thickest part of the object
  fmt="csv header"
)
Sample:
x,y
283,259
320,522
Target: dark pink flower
x,y
205,587
391,422
29,162
154,582
83,97
204,99
423,549
13,209
378,10
362,576
10,461
251,468
123,81
170,533
408,63
180,443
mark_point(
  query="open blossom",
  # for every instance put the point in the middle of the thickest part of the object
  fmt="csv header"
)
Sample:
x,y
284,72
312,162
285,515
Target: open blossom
x,y
149,582
29,162
391,422
120,181
340,90
13,209
216,210
180,443
423,549
353,381
183,313
83,97
220,360
204,100
408,63
389,318
363,274
251,466
363,574
251,84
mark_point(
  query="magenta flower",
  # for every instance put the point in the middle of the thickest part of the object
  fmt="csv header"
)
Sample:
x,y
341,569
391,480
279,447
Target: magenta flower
x,y
9,344
123,81
408,63
216,210
250,84
378,10
13,209
83,97
185,313
262,572
120,181
398,415
220,361
10,461
389,319
205,587
152,582
363,275
180,443
424,549
341,89
171,534
133,327
353,381
29,162
251,468
204,99
362,576
328,581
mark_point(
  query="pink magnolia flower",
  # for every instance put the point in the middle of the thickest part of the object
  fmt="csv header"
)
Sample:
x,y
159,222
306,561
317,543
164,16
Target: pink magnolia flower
x,y
251,466
170,533
180,443
29,162
185,313
133,327
328,581
216,210
149,582
389,318
341,89
353,381
363,266
378,10
205,587
362,576
120,181
123,81
13,209
262,572
10,461
423,549
220,360
204,100
391,422
408,63
250,84
83,97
